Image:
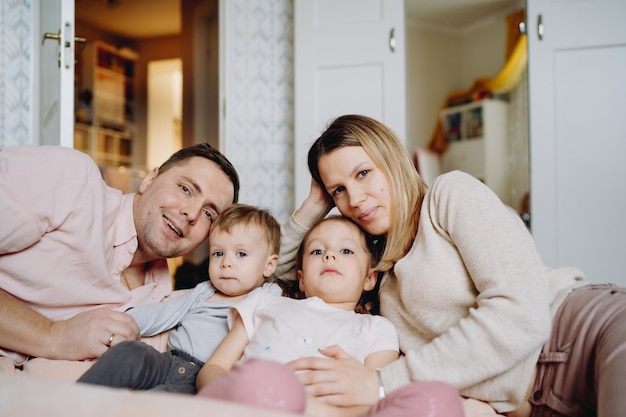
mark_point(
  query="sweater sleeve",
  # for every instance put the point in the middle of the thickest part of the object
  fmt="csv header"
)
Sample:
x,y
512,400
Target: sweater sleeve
x,y
492,349
156,318
291,235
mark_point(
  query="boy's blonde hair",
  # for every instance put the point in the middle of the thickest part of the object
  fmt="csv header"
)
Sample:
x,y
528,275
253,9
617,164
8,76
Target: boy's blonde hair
x,y
247,215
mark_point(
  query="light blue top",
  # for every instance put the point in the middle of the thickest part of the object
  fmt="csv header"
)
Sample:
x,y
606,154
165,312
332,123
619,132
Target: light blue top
x,y
198,325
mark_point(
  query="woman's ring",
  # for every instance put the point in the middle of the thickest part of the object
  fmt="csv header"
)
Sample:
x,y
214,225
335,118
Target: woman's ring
x,y
108,343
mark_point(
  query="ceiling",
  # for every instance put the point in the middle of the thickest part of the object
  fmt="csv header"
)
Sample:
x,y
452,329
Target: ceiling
x,y
455,14
151,18
131,18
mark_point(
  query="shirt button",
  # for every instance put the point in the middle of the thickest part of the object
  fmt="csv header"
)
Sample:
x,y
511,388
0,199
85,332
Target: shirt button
x,y
537,395
181,370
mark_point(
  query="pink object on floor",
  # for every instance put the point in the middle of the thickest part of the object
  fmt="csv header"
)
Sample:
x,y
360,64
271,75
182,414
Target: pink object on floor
x,y
259,383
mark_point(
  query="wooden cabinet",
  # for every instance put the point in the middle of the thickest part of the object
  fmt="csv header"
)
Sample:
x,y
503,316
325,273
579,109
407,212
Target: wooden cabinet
x,y
476,136
105,117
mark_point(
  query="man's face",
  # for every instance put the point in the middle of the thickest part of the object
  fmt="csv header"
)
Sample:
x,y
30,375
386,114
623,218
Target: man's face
x,y
173,211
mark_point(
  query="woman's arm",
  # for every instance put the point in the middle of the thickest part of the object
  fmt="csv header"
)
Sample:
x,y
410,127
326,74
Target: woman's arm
x,y
315,207
495,291
227,353
341,380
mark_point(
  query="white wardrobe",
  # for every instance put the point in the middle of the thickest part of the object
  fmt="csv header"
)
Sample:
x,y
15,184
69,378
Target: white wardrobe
x,y
577,96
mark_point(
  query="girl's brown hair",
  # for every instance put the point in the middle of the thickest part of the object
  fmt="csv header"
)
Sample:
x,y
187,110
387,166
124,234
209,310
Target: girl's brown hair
x,y
407,188
368,303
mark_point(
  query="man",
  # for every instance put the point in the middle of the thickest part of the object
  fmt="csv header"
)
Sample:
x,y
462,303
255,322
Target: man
x,y
75,253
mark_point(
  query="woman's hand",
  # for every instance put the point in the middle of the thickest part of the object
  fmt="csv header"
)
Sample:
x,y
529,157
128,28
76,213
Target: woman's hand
x,y
314,207
340,380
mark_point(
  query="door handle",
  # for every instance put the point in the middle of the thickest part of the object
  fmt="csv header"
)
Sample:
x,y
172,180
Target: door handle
x,y
57,37
392,40
67,45
540,27
80,40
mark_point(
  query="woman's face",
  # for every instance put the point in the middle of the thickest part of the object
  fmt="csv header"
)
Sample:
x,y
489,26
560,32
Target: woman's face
x,y
358,187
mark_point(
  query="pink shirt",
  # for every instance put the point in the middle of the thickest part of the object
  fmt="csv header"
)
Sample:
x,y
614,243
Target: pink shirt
x,y
66,236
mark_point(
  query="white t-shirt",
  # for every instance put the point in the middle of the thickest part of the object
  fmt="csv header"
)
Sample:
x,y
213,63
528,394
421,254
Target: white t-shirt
x,y
283,329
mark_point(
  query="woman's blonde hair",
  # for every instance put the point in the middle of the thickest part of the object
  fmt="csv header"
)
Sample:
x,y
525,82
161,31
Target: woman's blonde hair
x,y
386,151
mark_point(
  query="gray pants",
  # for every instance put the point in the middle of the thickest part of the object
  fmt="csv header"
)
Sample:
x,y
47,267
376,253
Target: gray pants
x,y
136,365
582,368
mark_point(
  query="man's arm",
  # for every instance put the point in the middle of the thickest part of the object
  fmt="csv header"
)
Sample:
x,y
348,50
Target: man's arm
x,y
84,336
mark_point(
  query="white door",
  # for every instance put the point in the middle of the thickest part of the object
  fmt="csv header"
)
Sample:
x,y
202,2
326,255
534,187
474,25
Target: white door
x,y
577,96
349,57
54,120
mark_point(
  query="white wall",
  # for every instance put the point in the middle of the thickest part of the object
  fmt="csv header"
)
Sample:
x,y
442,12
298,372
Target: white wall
x,y
483,49
440,62
258,79
433,71
17,72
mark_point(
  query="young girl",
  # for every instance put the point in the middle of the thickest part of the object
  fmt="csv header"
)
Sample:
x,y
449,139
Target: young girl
x,y
465,287
335,271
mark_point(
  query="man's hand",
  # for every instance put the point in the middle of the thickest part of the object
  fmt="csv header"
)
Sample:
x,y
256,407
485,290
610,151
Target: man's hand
x,y
84,336
88,335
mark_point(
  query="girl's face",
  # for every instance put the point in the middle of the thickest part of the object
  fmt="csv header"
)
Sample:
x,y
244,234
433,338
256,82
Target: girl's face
x,y
358,187
335,264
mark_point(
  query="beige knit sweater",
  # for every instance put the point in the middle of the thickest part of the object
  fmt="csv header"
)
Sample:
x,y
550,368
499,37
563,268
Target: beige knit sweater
x,y
472,300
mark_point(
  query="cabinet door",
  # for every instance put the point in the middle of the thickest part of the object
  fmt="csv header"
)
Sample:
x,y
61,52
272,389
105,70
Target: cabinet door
x,y
349,58
577,96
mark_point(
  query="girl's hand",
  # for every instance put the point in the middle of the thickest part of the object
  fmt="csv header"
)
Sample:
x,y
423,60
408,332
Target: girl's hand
x,y
314,207
340,380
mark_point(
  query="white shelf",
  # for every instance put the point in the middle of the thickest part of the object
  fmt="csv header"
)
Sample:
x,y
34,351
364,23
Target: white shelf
x,y
476,134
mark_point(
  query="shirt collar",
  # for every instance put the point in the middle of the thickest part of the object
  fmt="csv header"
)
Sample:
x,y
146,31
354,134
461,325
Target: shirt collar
x,y
125,231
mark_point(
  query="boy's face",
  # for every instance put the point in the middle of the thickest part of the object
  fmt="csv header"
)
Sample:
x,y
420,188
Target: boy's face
x,y
241,260
335,264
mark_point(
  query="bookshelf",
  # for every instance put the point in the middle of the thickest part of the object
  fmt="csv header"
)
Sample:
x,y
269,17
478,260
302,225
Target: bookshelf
x,y
105,118
476,134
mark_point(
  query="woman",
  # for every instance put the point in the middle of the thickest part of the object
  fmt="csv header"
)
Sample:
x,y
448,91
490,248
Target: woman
x,y
465,287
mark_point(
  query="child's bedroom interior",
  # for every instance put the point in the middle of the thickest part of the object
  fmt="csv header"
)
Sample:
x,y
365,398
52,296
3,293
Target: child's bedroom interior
x,y
506,90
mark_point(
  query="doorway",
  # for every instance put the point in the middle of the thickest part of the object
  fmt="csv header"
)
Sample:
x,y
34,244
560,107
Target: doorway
x,y
155,30
165,106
